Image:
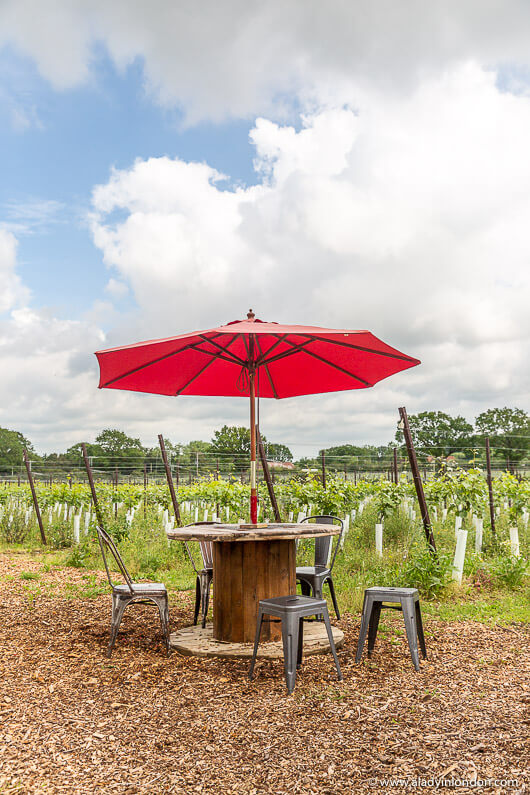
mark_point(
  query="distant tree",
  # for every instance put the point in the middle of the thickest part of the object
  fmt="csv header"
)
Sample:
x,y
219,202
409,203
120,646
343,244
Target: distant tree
x,y
232,445
175,448
508,431
308,463
343,457
277,452
438,434
113,449
350,457
197,457
233,441
12,443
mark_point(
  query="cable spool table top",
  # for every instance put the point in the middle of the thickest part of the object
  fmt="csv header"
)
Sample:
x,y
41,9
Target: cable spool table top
x,y
275,531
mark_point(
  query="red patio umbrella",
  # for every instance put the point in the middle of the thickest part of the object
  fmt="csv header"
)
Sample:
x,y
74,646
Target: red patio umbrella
x,y
248,356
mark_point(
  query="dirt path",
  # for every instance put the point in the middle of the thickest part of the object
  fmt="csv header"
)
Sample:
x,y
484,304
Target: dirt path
x,y
73,722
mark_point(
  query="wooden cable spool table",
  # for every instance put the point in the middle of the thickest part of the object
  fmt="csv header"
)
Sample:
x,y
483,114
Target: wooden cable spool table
x,y
250,563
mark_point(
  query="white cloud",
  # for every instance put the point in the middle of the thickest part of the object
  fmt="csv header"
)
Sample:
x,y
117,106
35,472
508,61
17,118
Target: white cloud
x,y
405,218
398,203
31,215
12,291
116,289
241,59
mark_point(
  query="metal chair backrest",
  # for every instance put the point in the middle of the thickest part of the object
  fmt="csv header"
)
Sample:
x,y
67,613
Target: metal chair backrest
x,y
324,544
106,541
206,548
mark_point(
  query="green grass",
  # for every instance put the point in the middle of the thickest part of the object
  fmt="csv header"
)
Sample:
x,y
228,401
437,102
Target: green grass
x,y
28,575
494,588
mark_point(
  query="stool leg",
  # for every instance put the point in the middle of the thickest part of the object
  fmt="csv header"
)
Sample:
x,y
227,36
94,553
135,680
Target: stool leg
x,y
421,636
325,616
318,593
334,598
372,627
205,597
163,609
256,643
367,609
300,643
409,614
305,588
290,649
118,607
197,599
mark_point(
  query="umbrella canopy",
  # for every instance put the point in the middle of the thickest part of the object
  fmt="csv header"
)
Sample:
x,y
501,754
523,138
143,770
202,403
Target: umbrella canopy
x,y
291,360
247,355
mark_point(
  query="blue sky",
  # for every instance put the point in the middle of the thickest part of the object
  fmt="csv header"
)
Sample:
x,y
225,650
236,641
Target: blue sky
x,y
69,142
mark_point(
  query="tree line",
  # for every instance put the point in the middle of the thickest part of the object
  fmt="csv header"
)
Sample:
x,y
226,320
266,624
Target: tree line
x,y
437,437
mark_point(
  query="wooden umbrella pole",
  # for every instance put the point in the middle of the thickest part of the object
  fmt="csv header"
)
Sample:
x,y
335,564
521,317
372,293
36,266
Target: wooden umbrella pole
x,y
253,485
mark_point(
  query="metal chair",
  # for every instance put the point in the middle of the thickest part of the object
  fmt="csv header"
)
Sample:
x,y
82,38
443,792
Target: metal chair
x,y
312,578
291,610
405,599
131,592
204,579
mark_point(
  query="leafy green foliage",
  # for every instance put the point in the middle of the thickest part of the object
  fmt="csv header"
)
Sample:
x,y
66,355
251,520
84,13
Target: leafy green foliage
x,y
428,573
232,444
12,444
388,498
438,434
508,431
467,491
510,571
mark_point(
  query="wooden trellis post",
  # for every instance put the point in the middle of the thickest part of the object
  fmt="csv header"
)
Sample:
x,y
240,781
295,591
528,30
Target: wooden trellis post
x,y
34,495
490,487
417,479
268,479
174,500
88,468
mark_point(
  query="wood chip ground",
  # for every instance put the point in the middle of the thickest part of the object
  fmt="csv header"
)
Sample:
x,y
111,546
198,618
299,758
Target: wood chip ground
x,y
73,722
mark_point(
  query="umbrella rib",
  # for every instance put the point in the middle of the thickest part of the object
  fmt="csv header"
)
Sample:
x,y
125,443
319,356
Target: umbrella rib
x,y
155,361
283,354
360,348
248,362
335,366
312,338
271,382
224,348
279,340
192,379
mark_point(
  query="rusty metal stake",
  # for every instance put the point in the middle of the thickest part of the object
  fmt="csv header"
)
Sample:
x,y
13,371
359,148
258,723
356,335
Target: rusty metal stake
x,y
417,480
490,487
34,495
174,500
145,490
268,479
92,487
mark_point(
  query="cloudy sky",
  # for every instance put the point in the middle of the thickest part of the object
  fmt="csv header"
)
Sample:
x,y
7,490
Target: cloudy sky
x,y
167,165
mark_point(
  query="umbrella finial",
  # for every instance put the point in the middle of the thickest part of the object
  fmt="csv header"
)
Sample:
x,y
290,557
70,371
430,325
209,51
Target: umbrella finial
x,y
250,314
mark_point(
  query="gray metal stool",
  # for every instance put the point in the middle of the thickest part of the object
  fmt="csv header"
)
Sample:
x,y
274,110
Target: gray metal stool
x,y
291,611
405,599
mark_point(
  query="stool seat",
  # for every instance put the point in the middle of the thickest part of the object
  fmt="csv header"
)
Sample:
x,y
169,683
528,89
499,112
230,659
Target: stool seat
x,y
292,610
392,593
286,604
408,601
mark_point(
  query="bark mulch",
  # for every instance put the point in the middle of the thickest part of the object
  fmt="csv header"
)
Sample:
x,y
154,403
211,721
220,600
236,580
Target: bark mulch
x,y
72,721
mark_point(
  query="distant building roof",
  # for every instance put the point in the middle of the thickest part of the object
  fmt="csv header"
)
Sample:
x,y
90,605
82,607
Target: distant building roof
x,y
281,464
